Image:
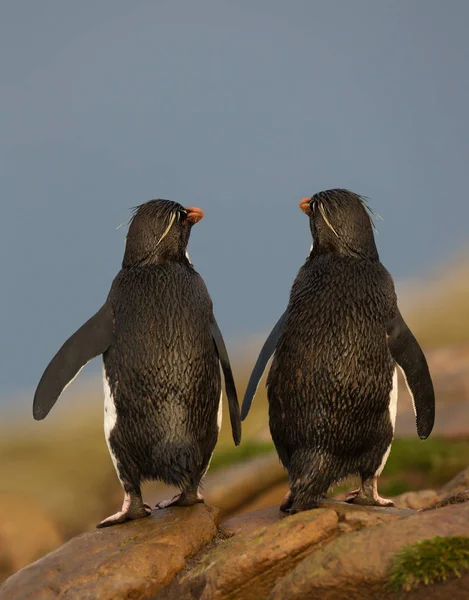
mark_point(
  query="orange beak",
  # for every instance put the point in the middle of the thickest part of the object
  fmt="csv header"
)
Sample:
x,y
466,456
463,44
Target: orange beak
x,y
304,205
194,214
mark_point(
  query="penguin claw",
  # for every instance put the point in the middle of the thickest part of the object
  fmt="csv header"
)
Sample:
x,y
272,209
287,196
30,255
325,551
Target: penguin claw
x,y
181,500
116,519
382,502
166,503
122,517
351,496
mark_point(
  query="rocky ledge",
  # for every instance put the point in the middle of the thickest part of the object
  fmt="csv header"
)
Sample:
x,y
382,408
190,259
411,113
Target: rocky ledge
x,y
134,560
333,552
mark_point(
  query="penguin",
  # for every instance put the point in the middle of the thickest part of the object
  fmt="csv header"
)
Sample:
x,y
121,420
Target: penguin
x,y
162,350
332,385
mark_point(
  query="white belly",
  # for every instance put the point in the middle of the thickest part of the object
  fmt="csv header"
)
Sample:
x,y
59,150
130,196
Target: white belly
x,y
220,412
219,421
110,417
393,400
392,416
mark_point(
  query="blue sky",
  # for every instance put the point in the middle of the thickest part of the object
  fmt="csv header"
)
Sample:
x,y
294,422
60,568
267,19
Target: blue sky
x,y
241,108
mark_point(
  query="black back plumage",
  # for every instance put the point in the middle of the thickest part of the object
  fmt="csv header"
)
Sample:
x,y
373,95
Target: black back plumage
x,y
162,351
332,370
163,369
335,350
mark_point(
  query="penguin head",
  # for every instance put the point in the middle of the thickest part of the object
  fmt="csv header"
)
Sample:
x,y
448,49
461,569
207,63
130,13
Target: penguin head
x,y
159,231
341,224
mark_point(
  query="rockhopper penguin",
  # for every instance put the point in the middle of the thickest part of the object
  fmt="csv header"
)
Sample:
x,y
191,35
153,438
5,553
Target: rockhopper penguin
x,y
162,351
332,387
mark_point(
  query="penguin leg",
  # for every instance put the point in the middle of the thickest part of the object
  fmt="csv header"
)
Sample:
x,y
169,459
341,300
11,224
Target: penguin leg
x,y
367,494
187,497
133,507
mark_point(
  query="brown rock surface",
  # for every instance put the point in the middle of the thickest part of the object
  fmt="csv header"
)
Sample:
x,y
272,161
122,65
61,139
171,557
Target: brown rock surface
x,y
26,532
454,499
355,566
454,492
229,489
416,500
247,522
345,508
271,497
247,566
458,484
133,560
354,515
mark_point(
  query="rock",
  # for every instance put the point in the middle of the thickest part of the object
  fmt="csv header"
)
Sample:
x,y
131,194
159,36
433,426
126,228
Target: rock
x,y
456,499
355,516
133,560
247,522
368,512
247,566
355,566
454,492
26,532
458,484
229,489
416,500
272,497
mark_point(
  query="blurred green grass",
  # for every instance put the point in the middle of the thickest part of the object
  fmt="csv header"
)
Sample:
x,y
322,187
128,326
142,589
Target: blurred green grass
x,y
427,562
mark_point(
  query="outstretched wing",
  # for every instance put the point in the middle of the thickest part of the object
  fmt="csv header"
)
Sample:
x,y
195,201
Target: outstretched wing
x,y
267,350
409,356
229,382
93,338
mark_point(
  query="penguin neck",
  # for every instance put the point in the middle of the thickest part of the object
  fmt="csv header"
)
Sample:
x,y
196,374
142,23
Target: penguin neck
x,y
159,257
353,238
363,252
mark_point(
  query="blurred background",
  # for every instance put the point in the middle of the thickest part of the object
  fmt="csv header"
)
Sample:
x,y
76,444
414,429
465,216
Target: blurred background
x,y
242,109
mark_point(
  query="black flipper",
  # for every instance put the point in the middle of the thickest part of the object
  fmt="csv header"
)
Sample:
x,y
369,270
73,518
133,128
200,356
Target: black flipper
x,y
409,356
93,338
230,387
267,350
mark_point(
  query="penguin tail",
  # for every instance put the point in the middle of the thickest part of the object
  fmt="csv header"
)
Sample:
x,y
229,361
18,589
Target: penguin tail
x,y
179,464
311,473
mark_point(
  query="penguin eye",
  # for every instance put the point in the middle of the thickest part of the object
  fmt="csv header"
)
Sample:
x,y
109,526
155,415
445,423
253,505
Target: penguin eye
x,y
183,216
